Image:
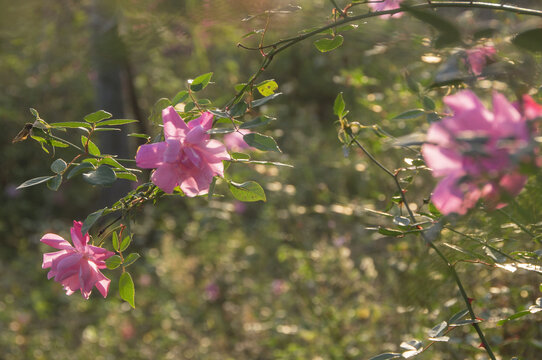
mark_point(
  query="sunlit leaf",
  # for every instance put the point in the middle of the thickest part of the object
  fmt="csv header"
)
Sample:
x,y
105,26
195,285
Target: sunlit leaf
x,y
248,191
325,44
200,82
127,289
97,116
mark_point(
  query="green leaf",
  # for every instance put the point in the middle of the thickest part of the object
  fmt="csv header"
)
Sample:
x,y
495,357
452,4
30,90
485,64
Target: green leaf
x,y
428,103
130,259
97,116
267,87
239,109
115,241
71,125
438,329
156,113
117,122
180,97
113,262
127,289
35,181
112,162
325,45
103,175
432,117
240,156
458,316
262,101
339,105
410,114
211,189
142,136
259,121
79,169
261,142
220,131
91,219
529,40
401,221
125,242
55,182
126,176
248,191
58,166
386,356
390,232
200,82
92,148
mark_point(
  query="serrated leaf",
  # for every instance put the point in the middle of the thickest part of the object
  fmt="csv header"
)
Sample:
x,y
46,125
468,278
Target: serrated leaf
x,y
91,219
267,87
113,262
79,169
115,241
127,289
116,122
339,105
262,101
410,114
529,40
35,181
259,121
58,166
55,182
261,142
92,148
130,259
125,243
97,116
103,175
248,191
200,82
325,45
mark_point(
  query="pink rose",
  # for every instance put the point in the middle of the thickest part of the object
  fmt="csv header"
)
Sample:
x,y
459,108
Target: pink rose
x,y
188,158
384,5
76,267
472,152
478,57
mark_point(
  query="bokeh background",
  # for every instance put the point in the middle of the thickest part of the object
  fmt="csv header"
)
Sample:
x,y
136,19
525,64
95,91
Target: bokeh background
x,y
298,277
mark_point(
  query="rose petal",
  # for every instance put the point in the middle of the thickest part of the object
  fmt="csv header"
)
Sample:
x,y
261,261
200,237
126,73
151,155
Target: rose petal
x,y
150,156
166,177
174,126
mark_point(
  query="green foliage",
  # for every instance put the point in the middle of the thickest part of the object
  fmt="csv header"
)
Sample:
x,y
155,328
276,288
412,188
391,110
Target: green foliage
x,y
248,191
325,45
127,289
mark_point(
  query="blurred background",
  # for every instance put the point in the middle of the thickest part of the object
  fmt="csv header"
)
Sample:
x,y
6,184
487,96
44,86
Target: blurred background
x,y
298,277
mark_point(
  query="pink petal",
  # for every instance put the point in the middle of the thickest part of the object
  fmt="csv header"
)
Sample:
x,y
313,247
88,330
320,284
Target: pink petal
x,y
205,121
442,161
513,183
166,177
508,121
196,135
449,198
192,155
172,153
87,277
463,101
48,258
150,156
68,266
78,239
234,141
215,149
100,254
174,126
531,109
196,182
102,284
56,241
71,284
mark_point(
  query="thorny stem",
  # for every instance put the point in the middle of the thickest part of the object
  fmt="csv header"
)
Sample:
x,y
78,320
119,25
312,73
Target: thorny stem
x,y
429,242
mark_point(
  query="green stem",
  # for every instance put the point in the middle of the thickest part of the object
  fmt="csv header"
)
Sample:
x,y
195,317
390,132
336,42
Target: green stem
x,y
451,268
